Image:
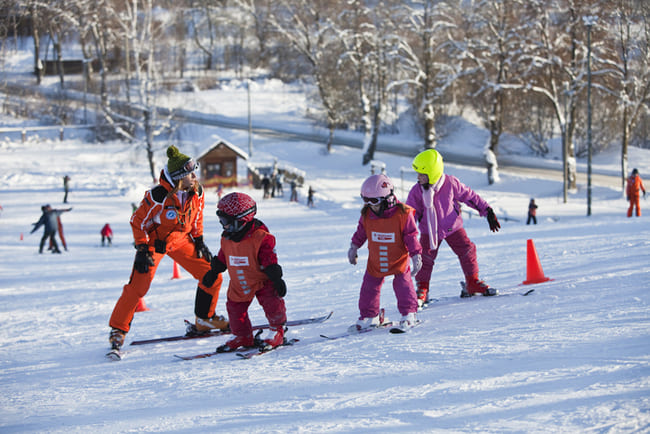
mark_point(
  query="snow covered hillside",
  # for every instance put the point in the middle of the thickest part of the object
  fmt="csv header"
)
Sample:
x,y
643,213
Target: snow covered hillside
x,y
574,356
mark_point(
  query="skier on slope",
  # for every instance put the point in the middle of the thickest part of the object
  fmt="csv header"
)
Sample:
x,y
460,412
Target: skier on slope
x,y
49,221
437,199
634,187
169,221
391,232
248,253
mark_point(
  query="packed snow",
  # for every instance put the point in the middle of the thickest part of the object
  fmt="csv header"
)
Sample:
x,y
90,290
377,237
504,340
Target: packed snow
x,y
573,356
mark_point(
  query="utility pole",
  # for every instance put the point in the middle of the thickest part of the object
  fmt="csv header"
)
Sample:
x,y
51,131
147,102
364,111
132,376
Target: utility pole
x,y
250,119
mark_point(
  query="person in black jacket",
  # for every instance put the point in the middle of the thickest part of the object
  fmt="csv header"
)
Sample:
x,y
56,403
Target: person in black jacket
x,y
49,220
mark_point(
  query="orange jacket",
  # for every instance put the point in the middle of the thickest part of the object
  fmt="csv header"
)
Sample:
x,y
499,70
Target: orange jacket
x,y
161,216
634,184
246,260
387,251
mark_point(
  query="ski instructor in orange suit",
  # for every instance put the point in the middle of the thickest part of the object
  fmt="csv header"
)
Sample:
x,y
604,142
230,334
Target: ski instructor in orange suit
x,y
169,221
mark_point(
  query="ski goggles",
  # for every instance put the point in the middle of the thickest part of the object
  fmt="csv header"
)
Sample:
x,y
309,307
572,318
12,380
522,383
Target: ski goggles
x,y
372,200
185,170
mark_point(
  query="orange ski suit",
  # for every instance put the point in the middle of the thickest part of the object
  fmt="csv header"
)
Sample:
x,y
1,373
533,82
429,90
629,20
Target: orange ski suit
x,y
634,185
161,219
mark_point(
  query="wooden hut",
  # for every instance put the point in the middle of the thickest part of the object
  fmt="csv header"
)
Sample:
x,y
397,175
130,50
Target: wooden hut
x,y
218,165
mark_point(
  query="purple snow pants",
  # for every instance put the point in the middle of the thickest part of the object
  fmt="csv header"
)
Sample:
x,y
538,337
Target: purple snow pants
x,y
371,292
461,245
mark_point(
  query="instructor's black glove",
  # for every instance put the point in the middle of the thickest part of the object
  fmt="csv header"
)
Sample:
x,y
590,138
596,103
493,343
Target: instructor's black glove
x,y
143,259
274,271
216,267
492,221
202,250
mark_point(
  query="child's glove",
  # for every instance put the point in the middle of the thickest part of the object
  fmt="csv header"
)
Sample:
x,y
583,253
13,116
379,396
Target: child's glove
x,y
416,264
274,272
352,254
143,259
492,221
216,267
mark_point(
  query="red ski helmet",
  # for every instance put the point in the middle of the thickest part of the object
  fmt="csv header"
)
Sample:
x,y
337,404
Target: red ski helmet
x,y
235,210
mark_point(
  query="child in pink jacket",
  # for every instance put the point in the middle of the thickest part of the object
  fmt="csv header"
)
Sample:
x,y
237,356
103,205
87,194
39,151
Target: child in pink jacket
x,y
391,232
437,200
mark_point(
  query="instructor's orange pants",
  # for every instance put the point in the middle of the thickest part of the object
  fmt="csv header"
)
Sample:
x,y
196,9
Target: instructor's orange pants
x,y
634,201
184,253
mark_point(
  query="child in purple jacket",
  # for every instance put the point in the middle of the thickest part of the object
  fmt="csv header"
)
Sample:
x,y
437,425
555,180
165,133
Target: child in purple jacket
x,y
437,200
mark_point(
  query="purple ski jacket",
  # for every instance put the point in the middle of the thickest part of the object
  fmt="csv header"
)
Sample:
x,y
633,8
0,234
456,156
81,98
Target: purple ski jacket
x,y
446,201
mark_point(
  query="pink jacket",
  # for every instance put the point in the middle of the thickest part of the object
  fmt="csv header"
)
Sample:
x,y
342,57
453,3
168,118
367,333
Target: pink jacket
x,y
447,202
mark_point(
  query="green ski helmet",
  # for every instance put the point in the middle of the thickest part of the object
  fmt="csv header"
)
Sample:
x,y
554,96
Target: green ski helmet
x,y
429,162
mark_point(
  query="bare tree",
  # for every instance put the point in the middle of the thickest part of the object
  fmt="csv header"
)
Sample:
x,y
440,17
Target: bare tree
x,y
306,25
493,26
631,68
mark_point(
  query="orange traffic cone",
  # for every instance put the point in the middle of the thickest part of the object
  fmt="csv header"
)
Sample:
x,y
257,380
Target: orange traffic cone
x,y
534,272
141,307
21,236
177,271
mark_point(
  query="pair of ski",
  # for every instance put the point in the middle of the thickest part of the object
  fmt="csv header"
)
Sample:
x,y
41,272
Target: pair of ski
x,y
392,326
464,294
116,354
255,351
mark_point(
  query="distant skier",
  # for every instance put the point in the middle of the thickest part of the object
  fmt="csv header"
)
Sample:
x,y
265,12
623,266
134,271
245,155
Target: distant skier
x,y
107,234
310,197
50,222
294,191
66,188
634,187
248,253
391,232
437,200
532,212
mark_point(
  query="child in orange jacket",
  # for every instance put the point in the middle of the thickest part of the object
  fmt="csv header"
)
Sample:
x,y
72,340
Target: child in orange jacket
x,y
392,235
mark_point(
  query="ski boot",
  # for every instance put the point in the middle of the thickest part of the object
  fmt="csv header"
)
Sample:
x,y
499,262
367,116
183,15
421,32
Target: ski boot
x,y
367,323
408,321
473,286
116,339
422,293
275,339
236,342
216,322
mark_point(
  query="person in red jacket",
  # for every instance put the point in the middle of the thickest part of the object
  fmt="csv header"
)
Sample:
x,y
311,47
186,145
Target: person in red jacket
x,y
107,235
390,229
248,253
634,187
169,221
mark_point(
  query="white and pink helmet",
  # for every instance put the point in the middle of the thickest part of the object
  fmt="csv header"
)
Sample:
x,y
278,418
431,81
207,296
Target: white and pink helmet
x,y
378,189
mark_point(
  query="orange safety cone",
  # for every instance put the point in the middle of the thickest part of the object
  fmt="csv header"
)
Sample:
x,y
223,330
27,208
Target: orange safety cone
x,y
534,272
21,236
177,272
141,307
